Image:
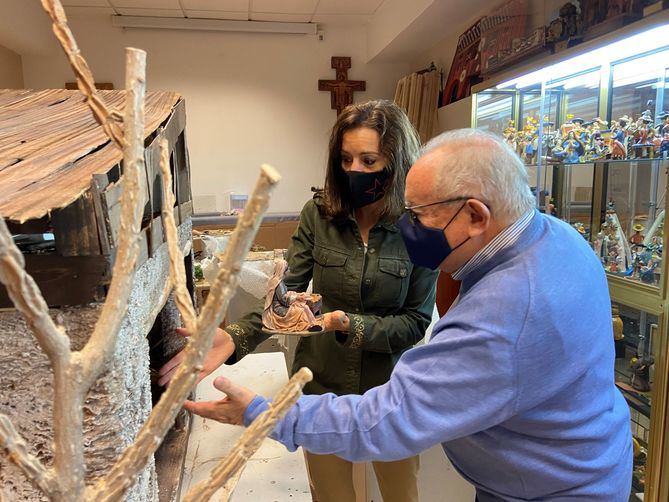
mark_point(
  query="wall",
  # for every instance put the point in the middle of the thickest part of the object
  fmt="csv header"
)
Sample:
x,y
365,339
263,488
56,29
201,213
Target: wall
x,y
250,98
11,73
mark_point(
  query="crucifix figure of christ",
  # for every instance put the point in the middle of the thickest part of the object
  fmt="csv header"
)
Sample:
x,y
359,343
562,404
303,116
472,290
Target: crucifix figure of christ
x,y
341,89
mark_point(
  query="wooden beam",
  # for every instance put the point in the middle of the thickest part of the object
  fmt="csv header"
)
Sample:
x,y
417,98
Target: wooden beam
x,y
76,229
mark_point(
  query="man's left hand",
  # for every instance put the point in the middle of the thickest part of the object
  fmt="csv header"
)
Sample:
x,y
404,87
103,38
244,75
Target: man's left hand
x,y
230,409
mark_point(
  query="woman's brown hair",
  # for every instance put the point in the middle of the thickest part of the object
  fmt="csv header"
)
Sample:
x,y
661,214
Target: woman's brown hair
x,y
399,145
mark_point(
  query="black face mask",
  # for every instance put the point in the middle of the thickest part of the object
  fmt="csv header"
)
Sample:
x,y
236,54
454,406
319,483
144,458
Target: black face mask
x,y
367,188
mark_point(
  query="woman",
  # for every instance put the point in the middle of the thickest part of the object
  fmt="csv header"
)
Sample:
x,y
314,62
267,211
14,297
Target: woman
x,y
377,304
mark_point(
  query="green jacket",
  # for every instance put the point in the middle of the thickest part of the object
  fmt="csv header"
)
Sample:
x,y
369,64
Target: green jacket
x,y
389,302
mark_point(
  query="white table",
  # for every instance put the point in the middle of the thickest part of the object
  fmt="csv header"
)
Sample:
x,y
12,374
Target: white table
x,y
273,473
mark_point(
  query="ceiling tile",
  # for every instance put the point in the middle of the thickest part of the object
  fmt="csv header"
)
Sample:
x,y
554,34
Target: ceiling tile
x,y
224,5
150,12
342,19
146,4
86,3
348,6
286,18
284,6
217,14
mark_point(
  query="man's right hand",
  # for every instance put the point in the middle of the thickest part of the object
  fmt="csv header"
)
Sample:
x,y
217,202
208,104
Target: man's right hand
x,y
222,348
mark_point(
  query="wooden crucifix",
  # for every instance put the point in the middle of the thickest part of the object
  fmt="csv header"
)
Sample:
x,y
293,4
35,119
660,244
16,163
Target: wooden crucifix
x,y
341,89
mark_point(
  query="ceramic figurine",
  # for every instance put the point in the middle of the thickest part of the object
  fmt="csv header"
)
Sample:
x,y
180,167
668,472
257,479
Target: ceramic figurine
x,y
638,238
641,372
655,141
617,323
290,312
571,14
617,148
573,148
662,127
528,144
663,151
598,149
643,146
628,128
611,245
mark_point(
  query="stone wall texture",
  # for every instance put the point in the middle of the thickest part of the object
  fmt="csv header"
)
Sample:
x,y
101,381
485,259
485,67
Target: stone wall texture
x,y
116,406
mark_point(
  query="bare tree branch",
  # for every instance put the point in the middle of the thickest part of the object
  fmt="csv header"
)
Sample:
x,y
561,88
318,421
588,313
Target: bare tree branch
x,y
134,458
72,382
106,118
16,447
177,271
27,298
100,347
250,441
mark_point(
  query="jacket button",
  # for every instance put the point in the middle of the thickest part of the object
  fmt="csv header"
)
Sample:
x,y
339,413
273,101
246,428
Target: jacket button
x,y
403,272
372,251
368,281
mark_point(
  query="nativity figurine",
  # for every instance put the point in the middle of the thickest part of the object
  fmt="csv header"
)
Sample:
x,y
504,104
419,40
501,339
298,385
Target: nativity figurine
x,y
290,312
638,238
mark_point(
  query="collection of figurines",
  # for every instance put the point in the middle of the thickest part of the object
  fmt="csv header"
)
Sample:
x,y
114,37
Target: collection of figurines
x,y
578,140
639,257
290,312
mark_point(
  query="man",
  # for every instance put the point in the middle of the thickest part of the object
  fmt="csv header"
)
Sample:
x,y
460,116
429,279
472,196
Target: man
x,y
517,381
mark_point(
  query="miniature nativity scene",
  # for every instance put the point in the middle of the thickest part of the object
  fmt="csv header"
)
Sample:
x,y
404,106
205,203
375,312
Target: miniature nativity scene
x,y
289,312
96,273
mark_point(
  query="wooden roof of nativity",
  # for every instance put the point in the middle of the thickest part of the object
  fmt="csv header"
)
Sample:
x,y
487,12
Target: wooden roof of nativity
x,y
51,146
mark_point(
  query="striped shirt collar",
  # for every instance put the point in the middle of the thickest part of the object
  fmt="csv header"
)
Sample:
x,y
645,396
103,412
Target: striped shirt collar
x,y
503,240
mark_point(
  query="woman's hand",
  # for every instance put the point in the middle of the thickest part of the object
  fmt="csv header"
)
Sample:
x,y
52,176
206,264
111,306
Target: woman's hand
x,y
230,409
336,321
222,348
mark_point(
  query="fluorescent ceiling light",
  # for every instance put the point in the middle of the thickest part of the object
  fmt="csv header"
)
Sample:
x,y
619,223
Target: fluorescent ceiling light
x,y
595,58
171,23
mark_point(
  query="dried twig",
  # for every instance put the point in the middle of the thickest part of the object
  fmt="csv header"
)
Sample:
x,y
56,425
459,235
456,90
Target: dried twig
x,y
250,440
103,340
121,476
177,271
15,446
106,118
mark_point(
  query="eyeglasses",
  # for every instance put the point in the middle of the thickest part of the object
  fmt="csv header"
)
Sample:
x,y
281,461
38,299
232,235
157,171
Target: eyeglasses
x,y
413,217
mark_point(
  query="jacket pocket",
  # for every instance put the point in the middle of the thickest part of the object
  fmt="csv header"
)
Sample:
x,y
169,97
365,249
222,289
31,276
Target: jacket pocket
x,y
392,283
329,271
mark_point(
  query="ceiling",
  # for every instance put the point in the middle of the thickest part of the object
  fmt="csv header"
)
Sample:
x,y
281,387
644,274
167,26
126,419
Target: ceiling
x,y
305,11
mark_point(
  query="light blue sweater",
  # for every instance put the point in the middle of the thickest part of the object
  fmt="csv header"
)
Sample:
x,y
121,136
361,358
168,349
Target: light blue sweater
x,y
516,383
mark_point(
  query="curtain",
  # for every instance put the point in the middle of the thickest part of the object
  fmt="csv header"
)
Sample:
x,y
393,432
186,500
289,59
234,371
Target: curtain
x,y
417,94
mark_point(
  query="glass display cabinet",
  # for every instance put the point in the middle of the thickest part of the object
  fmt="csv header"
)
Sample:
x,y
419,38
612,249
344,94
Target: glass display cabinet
x,y
593,131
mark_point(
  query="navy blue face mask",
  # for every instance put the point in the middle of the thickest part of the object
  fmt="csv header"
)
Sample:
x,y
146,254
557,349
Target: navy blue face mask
x,y
427,247
367,188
